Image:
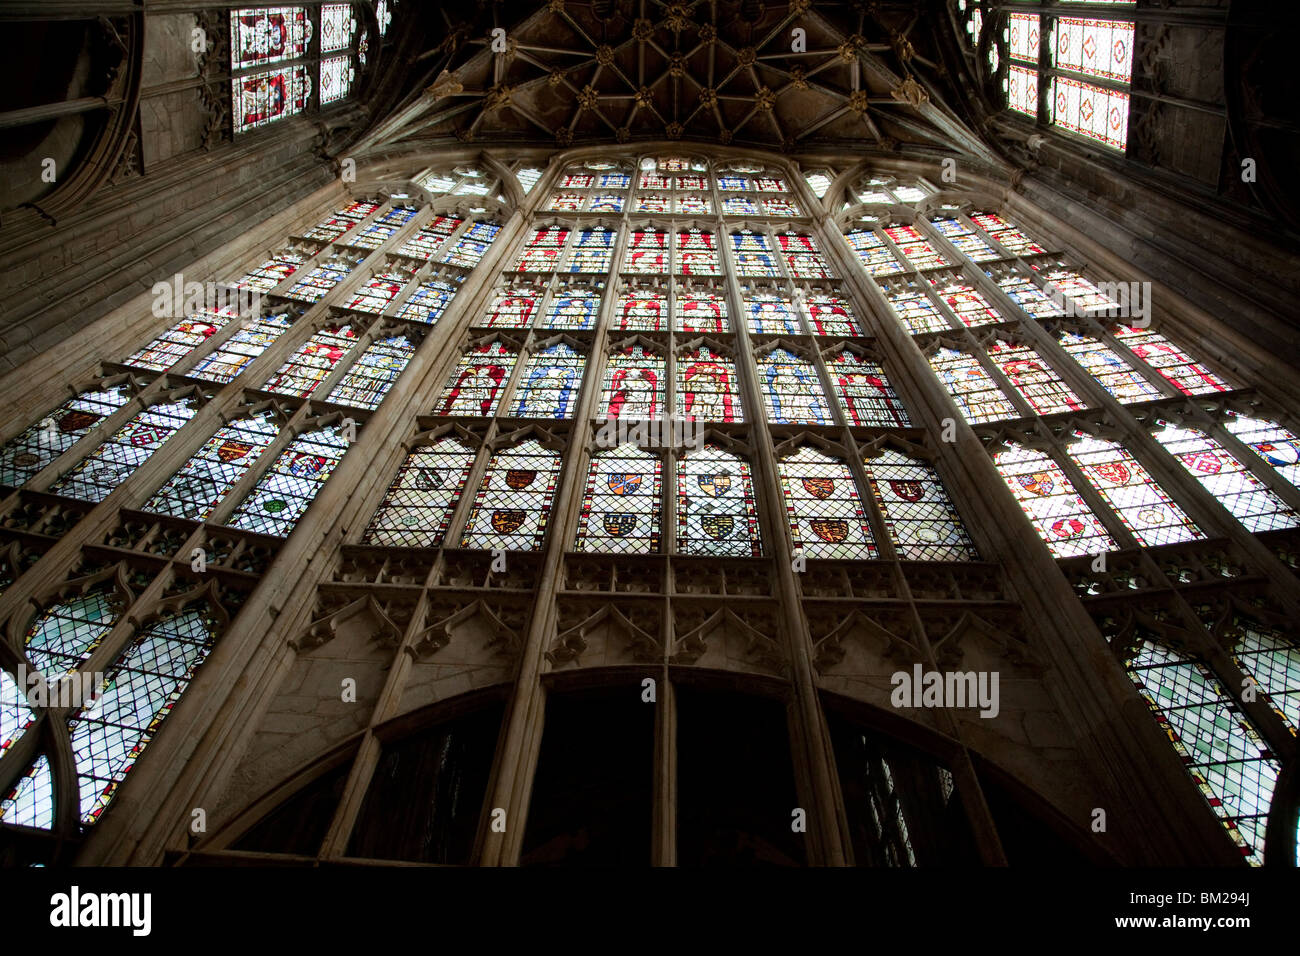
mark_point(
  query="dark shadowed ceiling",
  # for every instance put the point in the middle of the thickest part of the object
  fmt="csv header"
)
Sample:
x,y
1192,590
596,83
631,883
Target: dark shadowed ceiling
x,y
781,75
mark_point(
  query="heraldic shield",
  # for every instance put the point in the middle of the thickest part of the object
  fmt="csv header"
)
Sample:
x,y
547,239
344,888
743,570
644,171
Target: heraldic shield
x,y
520,478
834,530
718,527
714,485
507,520
819,487
619,523
623,483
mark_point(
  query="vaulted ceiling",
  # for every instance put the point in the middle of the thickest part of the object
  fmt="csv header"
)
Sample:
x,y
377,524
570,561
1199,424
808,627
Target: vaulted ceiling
x,y
793,75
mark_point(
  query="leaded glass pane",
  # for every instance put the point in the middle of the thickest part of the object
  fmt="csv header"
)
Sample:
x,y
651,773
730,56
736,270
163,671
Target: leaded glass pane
x,y
825,512
290,484
200,484
418,505
96,476
513,503
620,509
918,513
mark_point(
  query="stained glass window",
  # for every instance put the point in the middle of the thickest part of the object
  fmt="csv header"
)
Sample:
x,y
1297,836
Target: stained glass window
x,y
1276,445
780,206
383,228
418,505
641,310
829,314
919,251
754,256
550,384
113,462
275,270
1023,36
1273,661
1219,747
770,313
593,250
653,202
200,484
468,250
1251,501
513,503
15,715
824,511
139,691
312,363
231,357
1095,112
791,391
337,27
542,253
512,308
1005,234
971,307
647,252
706,387
1098,48
26,454
1060,516
368,380
620,510
915,310
263,37
565,202
1110,370
634,385
1027,294
290,484
1022,89
967,241
865,394
64,636
343,220
1183,372
875,255
474,388
379,290
693,204
918,513
574,308
528,177
1143,506
740,206
262,98
818,182
31,801
336,76
716,514
1038,382
1069,286
973,390
428,302
697,254
426,243
313,286
802,257
701,310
